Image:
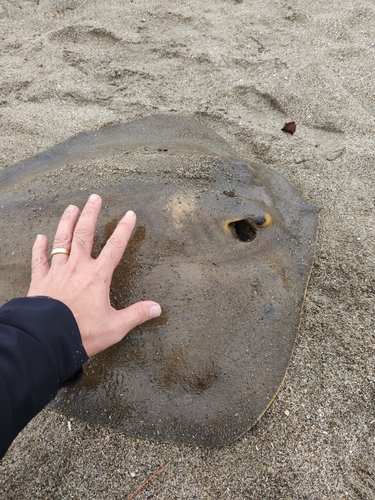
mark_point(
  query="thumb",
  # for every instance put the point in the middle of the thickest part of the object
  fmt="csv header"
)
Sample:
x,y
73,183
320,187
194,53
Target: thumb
x,y
138,313
120,324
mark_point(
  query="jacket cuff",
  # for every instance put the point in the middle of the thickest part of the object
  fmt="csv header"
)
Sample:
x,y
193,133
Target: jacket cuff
x,y
51,324
40,351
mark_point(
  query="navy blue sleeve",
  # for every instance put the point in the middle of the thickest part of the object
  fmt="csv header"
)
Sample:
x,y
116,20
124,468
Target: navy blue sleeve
x,y
40,351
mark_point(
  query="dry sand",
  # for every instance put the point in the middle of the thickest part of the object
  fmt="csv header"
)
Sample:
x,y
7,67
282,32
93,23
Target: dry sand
x,y
244,69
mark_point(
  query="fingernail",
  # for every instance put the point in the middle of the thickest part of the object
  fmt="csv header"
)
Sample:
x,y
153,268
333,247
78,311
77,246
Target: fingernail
x,y
40,237
155,311
129,214
93,198
70,209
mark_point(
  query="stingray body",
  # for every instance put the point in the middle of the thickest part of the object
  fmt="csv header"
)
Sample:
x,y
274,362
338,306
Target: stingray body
x,y
225,246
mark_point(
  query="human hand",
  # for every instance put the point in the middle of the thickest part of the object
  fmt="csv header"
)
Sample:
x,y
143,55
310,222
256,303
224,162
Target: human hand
x,y
82,283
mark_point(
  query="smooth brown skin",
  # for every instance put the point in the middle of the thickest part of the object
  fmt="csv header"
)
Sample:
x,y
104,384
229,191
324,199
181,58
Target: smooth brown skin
x,y
82,283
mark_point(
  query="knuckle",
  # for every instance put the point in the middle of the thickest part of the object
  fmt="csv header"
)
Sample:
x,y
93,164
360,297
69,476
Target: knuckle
x,y
83,230
101,274
116,242
79,242
140,314
38,262
72,270
98,274
61,239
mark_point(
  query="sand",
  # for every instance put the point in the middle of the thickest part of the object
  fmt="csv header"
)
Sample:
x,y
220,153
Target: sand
x,y
244,69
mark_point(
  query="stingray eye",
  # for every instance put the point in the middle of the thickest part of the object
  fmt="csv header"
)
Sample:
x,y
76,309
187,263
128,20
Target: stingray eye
x,y
262,220
244,229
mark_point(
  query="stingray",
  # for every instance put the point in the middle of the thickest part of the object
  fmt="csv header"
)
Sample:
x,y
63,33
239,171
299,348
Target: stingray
x,y
224,245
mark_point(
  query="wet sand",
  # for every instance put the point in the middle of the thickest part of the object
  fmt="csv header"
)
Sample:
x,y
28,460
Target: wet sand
x,y
244,69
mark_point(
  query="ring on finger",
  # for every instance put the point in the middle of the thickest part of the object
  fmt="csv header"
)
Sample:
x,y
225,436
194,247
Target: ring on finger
x,y
60,250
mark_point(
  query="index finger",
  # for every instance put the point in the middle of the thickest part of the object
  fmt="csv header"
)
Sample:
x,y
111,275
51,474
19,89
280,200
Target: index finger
x,y
114,249
84,231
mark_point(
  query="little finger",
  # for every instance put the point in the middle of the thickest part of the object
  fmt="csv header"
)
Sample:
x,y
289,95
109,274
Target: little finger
x,y
39,262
